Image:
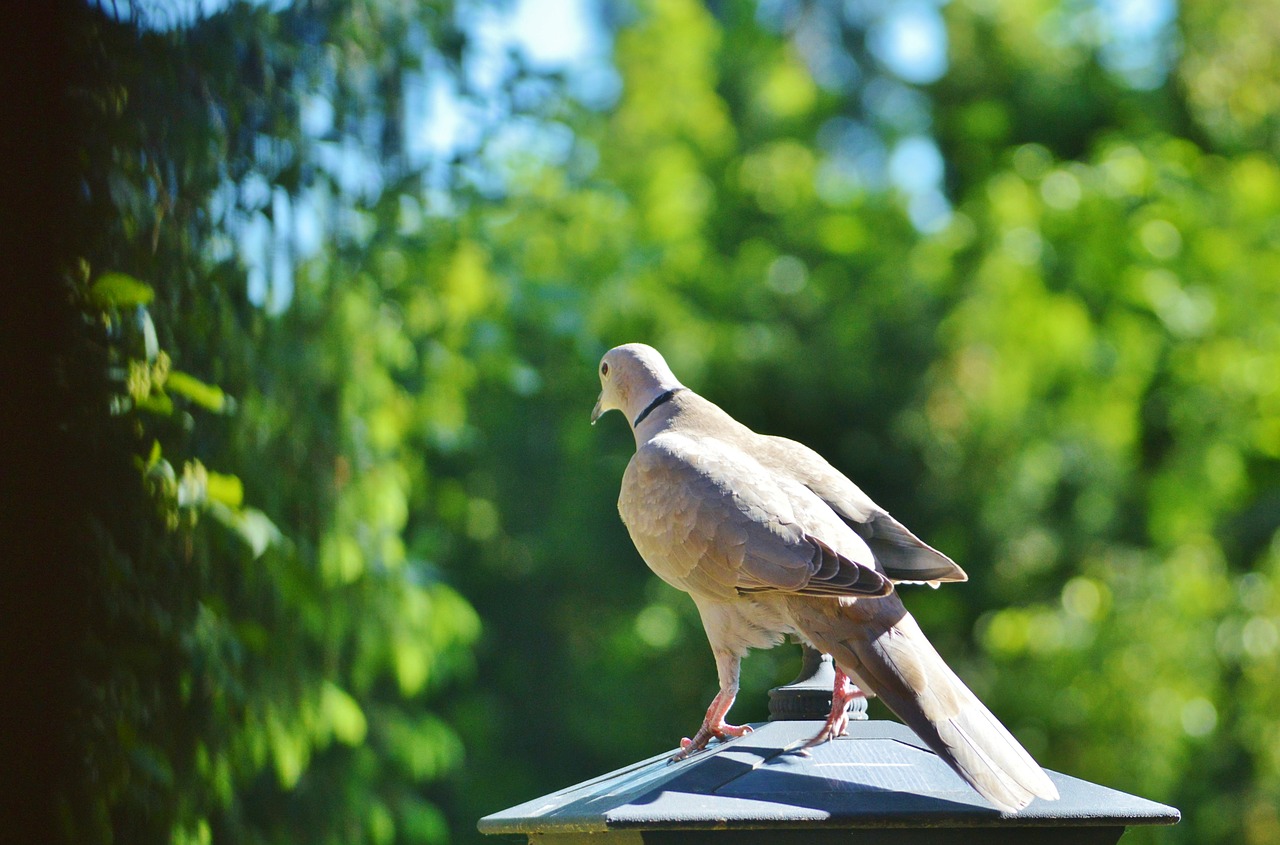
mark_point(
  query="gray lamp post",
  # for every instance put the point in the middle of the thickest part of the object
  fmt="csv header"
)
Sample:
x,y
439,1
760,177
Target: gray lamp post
x,y
880,785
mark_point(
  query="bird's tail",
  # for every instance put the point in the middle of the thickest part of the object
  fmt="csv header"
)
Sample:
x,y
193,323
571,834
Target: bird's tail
x,y
878,643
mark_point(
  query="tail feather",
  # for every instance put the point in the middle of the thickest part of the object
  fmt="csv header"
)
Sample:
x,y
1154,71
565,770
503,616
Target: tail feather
x,y
878,642
974,750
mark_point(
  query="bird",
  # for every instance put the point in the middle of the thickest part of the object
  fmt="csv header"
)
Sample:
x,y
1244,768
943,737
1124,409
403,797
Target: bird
x,y
770,540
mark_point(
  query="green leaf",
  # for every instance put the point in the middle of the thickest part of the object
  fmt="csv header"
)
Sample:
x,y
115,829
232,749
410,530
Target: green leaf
x,y
206,395
193,489
380,823
341,561
258,530
200,834
343,714
119,290
150,340
290,749
227,489
412,661
156,403
253,526
422,822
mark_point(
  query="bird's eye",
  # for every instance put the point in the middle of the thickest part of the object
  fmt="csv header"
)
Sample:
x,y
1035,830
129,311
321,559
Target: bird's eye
x,y
604,368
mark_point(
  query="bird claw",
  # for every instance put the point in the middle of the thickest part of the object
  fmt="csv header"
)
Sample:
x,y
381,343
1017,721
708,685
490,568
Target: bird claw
x,y
722,731
837,723
834,727
731,731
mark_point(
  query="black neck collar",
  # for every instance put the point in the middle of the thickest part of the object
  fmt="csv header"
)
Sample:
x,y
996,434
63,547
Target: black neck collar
x,y
654,404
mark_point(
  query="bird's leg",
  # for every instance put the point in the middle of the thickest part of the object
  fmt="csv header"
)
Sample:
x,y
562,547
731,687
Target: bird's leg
x,y
714,725
837,723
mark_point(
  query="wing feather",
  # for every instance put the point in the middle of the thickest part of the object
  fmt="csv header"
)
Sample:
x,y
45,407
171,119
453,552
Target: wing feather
x,y
742,527
902,555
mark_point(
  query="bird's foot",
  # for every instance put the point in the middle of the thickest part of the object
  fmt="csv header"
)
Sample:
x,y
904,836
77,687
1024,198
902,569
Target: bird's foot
x,y
722,731
837,723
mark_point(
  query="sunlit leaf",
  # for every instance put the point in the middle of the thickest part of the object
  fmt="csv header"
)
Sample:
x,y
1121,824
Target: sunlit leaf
x,y
427,746
206,395
227,489
252,525
156,403
290,752
380,824
412,663
343,713
341,560
147,328
193,486
119,290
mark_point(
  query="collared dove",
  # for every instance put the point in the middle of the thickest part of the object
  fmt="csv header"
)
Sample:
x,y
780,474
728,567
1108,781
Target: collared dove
x,y
769,539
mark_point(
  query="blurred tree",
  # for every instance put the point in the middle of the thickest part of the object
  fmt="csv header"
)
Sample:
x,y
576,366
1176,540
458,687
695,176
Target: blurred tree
x,y
1109,305
263,681
1012,372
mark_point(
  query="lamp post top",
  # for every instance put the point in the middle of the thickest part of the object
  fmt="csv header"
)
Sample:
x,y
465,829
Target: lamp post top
x,y
880,776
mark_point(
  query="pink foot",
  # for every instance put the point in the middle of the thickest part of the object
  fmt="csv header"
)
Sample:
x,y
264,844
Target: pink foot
x,y
713,725
722,731
837,723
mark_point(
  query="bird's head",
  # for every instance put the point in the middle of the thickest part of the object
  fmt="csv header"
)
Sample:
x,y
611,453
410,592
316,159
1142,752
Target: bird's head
x,y
631,377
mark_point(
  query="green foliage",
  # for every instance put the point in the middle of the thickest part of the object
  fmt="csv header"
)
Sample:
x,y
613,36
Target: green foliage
x,y
113,291
414,603
233,683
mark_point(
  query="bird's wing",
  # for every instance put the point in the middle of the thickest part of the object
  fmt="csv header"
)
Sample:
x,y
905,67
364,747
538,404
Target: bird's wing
x,y
902,555
713,521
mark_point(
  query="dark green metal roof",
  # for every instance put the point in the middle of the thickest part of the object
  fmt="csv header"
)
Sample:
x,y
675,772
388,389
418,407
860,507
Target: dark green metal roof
x,y
879,776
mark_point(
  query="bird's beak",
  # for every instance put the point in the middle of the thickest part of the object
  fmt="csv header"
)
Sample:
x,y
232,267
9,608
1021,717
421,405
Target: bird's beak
x,y
596,412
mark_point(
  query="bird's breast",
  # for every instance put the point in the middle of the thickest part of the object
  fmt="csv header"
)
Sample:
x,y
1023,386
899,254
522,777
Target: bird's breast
x,y
683,544
746,622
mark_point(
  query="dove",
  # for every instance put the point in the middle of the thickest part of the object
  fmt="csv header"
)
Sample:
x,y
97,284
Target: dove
x,y
770,540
